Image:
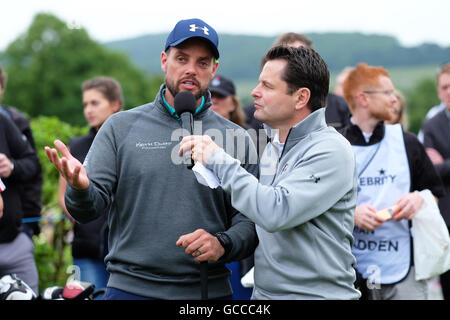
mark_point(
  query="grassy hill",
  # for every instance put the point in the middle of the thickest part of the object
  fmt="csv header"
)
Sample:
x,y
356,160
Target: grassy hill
x,y
404,78
241,54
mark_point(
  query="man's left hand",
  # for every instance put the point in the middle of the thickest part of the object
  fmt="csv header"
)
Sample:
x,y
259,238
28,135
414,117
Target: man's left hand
x,y
202,245
408,204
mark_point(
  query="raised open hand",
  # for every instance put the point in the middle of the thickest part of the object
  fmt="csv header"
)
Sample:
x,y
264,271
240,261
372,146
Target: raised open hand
x,y
69,167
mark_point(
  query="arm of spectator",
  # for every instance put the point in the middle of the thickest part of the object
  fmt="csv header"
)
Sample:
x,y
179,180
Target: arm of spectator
x,y
441,165
434,156
22,164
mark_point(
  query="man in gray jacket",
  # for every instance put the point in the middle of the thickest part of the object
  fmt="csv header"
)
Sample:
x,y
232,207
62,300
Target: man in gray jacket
x,y
151,198
303,203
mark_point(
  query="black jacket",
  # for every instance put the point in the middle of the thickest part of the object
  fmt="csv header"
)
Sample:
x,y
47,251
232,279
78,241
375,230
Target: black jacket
x,y
31,192
26,166
436,135
337,113
90,238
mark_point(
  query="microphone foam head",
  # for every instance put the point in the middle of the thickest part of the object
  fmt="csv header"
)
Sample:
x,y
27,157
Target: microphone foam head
x,y
184,102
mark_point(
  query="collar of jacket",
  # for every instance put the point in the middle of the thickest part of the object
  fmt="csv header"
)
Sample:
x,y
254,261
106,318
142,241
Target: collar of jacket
x,y
162,105
355,136
447,113
92,132
313,122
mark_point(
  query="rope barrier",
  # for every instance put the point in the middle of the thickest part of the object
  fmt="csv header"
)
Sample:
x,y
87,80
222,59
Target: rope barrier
x,y
37,219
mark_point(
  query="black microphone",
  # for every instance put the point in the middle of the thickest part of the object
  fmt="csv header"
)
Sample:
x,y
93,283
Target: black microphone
x,y
185,105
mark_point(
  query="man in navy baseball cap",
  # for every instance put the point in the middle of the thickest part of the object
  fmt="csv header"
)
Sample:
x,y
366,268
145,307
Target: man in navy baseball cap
x,y
190,28
154,264
190,60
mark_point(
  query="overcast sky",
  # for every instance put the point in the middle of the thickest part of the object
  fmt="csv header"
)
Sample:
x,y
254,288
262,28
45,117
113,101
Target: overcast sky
x,y
412,21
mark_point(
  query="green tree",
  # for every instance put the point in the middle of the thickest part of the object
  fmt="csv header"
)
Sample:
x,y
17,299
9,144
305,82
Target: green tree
x,y
47,64
419,99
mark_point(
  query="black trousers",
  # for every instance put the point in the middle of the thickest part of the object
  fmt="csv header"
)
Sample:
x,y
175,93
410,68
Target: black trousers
x,y
445,282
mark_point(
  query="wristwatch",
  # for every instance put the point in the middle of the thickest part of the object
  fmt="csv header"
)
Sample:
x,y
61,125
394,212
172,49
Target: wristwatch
x,y
225,241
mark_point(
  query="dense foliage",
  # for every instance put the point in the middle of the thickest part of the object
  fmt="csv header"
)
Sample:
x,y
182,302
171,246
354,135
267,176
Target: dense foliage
x,y
419,99
52,248
49,62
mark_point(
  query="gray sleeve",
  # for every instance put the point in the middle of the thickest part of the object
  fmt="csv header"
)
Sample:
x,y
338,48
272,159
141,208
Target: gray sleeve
x,y
100,164
296,198
242,232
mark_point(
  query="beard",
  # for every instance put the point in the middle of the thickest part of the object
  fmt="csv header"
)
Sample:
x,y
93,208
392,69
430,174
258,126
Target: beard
x,y
174,88
384,114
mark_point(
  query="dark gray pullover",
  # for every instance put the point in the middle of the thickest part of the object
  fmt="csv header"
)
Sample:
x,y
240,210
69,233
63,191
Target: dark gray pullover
x,y
151,200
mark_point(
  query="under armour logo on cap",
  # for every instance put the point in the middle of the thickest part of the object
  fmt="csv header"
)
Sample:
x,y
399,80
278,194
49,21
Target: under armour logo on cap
x,y
193,27
215,82
190,28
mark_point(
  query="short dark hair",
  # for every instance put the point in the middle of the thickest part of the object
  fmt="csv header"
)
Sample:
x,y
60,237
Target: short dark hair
x,y
305,69
290,37
109,87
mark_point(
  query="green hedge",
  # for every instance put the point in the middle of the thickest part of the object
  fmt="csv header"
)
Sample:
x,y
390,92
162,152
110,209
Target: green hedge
x,y
52,248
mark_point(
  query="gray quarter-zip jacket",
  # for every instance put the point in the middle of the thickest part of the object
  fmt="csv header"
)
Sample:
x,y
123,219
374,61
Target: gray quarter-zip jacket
x,y
151,199
303,209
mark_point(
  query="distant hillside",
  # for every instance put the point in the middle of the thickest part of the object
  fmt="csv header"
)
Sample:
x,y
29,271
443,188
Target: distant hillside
x,y
241,54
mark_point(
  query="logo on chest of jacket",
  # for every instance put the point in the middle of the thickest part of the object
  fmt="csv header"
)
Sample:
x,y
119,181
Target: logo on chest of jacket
x,y
152,145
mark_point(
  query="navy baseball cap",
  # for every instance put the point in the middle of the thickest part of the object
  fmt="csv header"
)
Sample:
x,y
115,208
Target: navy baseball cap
x,y
190,28
222,86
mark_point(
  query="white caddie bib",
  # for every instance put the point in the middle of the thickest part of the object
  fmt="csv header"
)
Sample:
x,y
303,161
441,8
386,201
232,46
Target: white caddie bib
x,y
383,255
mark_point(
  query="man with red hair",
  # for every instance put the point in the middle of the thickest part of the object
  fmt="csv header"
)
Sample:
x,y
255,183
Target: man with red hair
x,y
392,166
